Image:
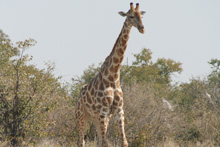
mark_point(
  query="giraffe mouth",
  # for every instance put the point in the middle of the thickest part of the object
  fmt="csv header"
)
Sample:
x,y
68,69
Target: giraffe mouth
x,y
141,30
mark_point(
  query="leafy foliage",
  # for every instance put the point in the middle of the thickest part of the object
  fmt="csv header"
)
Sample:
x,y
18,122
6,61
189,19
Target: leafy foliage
x,y
26,93
144,71
214,76
87,76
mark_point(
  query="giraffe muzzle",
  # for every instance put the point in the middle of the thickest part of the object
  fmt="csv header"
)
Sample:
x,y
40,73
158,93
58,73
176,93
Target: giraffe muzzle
x,y
141,29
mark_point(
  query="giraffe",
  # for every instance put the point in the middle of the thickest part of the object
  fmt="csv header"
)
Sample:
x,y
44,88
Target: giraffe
x,y
103,97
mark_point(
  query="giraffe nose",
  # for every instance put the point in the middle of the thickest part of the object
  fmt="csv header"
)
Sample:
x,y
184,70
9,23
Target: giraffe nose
x,y
142,27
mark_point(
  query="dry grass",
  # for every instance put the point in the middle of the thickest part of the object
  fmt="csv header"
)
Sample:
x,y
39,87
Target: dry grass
x,y
168,143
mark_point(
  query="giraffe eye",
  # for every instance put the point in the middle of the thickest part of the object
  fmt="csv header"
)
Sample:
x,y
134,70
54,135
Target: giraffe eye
x,y
131,16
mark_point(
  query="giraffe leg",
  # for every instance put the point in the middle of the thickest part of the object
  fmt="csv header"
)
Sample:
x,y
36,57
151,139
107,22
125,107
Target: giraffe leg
x,y
81,127
81,118
101,126
96,123
120,119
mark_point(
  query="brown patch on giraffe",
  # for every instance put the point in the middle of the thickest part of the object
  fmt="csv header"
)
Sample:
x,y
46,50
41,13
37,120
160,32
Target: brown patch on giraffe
x,y
92,92
96,84
102,116
115,60
102,122
120,51
109,99
104,102
104,109
124,31
99,100
89,100
93,107
101,86
100,94
125,36
121,103
123,42
115,103
116,76
106,72
125,47
117,98
112,68
113,85
110,78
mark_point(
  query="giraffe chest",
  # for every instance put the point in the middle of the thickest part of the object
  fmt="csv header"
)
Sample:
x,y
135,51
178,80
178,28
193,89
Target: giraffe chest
x,y
104,102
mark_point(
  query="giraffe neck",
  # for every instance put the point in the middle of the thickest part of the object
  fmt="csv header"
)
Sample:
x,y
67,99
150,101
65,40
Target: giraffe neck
x,y
112,65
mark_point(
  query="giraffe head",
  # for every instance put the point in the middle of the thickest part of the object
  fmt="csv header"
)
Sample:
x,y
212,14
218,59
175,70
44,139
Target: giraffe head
x,y
134,17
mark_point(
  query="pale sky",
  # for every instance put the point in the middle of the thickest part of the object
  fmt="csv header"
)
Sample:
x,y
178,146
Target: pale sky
x,y
76,34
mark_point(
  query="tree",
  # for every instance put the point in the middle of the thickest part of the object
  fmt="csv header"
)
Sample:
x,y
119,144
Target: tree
x,y
145,71
214,76
6,48
79,81
214,82
26,93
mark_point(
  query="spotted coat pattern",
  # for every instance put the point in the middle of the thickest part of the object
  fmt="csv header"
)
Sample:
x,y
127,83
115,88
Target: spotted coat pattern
x,y
103,96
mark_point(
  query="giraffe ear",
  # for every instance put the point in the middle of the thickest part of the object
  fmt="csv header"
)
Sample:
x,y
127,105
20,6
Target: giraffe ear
x,y
142,12
122,13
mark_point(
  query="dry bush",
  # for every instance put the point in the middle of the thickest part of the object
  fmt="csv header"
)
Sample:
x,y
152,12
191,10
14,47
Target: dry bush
x,y
154,121
200,122
150,120
147,117
64,124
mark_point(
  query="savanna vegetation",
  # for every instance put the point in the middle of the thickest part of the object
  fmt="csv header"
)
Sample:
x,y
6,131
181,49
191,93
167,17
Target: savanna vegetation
x,y
36,109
